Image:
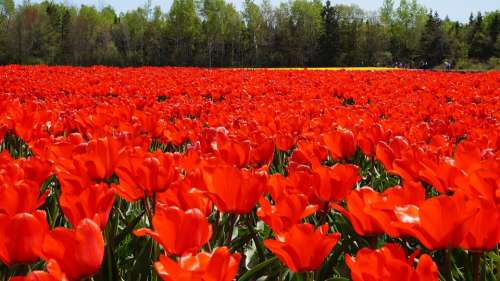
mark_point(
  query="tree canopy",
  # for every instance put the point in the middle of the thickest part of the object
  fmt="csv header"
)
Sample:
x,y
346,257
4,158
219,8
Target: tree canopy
x,y
215,33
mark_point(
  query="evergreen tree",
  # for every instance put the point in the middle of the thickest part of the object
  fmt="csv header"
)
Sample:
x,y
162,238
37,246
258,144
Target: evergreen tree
x,y
433,46
329,41
496,47
478,39
493,32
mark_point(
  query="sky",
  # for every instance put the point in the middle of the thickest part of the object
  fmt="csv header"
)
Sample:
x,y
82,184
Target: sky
x,y
455,9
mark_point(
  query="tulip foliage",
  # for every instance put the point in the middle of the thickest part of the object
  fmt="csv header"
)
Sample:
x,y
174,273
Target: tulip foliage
x,y
218,175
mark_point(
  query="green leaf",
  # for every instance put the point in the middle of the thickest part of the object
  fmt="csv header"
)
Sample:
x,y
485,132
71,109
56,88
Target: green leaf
x,y
256,269
142,265
493,256
337,279
127,230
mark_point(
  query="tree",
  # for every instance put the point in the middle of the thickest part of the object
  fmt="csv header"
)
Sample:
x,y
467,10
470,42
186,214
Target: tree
x,y
493,30
455,38
281,45
329,41
408,23
374,44
267,32
183,30
215,33
478,39
153,53
433,44
387,13
232,36
213,28
29,41
352,19
305,16
496,47
136,22
7,14
254,30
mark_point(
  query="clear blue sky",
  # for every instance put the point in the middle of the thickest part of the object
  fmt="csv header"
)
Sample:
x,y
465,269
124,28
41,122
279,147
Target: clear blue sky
x,y
455,9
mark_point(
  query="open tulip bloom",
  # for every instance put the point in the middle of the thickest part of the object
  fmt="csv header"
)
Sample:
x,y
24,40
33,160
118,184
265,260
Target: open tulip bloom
x,y
303,248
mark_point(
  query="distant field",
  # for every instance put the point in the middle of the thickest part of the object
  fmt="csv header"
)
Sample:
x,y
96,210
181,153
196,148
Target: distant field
x,y
196,174
332,68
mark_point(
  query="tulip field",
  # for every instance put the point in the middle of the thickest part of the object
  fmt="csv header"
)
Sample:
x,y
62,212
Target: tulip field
x,y
189,174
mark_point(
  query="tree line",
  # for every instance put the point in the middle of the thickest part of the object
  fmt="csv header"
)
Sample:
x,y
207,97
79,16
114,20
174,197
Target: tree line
x,y
214,33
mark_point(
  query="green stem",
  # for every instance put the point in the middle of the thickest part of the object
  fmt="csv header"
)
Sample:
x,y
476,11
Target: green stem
x,y
216,226
373,241
147,208
373,173
154,203
261,266
19,269
4,272
256,240
327,268
109,255
309,276
324,214
447,269
476,263
232,221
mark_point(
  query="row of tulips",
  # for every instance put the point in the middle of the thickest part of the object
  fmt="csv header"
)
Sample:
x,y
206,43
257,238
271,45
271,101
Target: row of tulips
x,y
211,180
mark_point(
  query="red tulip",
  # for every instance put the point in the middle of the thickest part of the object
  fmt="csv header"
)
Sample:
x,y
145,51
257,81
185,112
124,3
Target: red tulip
x,y
20,197
284,141
3,131
99,159
22,237
341,143
369,137
233,152
372,213
297,182
390,264
181,194
309,153
436,223
482,232
53,273
409,165
287,211
143,174
171,226
335,183
220,265
34,169
93,202
233,190
482,180
439,174
190,160
302,248
468,156
62,150
79,251
387,153
262,149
